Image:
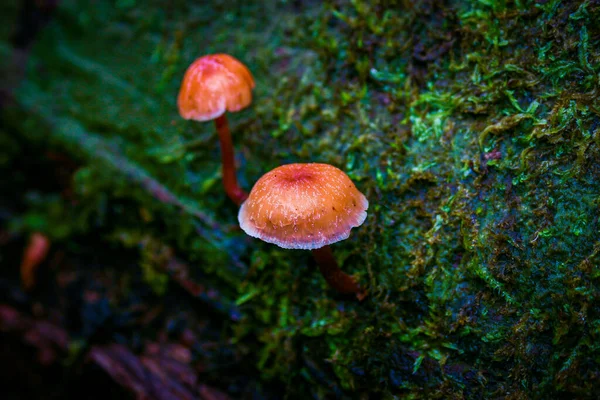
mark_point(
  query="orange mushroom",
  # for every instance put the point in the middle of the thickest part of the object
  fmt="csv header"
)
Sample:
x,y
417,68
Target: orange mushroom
x,y
35,253
306,206
213,85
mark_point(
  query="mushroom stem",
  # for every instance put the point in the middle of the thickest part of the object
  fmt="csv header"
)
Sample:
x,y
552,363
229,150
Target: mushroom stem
x,y
335,277
233,190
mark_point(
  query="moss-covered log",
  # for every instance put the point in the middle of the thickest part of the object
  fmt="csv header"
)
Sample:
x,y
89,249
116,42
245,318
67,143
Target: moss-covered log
x,y
473,128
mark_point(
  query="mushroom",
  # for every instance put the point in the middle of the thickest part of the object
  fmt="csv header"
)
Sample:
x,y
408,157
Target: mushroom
x,y
212,85
35,253
309,207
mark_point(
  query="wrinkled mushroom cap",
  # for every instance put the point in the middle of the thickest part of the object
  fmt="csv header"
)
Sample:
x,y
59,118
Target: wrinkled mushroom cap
x,y
303,206
212,85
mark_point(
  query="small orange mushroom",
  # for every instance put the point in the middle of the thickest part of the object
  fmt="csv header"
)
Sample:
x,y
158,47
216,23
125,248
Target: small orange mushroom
x,y
213,85
307,206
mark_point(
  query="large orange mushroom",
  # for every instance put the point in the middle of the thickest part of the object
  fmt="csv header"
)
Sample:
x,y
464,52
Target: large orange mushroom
x,y
306,206
213,85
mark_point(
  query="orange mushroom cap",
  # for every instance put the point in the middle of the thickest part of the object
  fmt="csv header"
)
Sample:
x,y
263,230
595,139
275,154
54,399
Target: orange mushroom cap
x,y
303,206
212,85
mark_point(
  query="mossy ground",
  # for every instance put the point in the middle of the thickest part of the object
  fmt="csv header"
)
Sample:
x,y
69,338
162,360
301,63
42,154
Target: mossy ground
x,y
473,128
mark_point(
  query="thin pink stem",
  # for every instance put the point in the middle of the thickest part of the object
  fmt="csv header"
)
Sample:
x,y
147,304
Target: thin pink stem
x,y
335,277
232,188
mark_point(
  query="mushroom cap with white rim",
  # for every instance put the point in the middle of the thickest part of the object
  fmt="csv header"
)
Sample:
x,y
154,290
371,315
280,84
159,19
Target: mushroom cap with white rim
x,y
212,85
303,206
